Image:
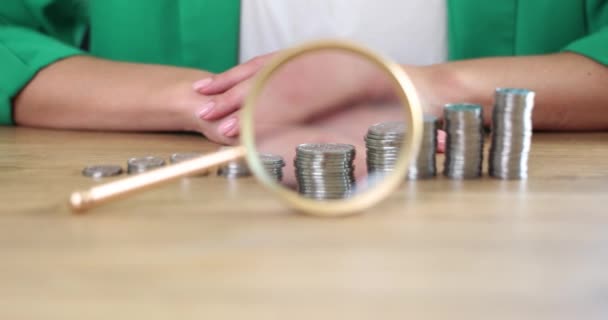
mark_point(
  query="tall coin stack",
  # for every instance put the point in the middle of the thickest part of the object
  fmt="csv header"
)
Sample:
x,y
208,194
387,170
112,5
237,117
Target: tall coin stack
x,y
425,166
511,133
325,171
273,164
464,142
383,144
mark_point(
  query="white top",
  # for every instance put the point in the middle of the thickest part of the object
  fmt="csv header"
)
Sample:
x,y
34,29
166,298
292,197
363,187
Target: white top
x,y
408,31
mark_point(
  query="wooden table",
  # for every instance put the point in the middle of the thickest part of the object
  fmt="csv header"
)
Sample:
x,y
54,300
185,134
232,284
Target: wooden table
x,y
208,248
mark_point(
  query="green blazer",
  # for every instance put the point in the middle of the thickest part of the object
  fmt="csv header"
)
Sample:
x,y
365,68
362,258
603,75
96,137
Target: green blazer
x,y
205,33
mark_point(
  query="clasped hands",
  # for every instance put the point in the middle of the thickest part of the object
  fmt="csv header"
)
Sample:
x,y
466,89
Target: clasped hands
x,y
227,91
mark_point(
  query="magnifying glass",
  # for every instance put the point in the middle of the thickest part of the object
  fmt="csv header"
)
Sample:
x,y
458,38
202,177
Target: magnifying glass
x,y
341,122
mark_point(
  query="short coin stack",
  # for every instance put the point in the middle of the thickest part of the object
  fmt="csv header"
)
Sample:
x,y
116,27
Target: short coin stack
x,y
102,171
511,133
464,143
181,157
425,166
143,164
325,171
383,144
234,169
273,164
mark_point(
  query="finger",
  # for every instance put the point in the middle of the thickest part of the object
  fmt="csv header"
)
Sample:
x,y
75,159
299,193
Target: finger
x,y
229,127
441,136
220,131
212,132
226,80
224,104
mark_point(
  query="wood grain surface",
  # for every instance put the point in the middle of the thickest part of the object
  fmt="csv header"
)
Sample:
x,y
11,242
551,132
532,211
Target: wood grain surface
x,y
210,248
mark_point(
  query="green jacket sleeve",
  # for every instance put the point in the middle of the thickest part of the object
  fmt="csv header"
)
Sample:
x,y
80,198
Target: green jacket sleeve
x,y
594,45
33,34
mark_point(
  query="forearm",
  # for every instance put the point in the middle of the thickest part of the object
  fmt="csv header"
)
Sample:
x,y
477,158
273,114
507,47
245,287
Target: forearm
x,y
571,90
88,93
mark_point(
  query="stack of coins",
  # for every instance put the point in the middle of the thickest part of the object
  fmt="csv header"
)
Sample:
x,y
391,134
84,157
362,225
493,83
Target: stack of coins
x,y
383,144
273,164
511,133
424,166
464,144
234,169
101,171
143,164
325,171
181,157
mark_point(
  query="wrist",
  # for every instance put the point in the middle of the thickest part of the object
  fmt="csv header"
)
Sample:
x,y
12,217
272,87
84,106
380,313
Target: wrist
x,y
455,83
181,102
437,85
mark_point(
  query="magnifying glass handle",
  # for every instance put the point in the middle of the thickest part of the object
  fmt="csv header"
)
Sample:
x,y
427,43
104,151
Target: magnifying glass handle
x,y
80,201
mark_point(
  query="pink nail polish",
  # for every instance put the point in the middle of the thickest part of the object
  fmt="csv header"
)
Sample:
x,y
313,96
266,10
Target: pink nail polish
x,y
205,110
233,133
201,84
225,127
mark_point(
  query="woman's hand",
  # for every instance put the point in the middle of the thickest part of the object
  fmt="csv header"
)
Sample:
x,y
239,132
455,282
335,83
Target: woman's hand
x,y
228,89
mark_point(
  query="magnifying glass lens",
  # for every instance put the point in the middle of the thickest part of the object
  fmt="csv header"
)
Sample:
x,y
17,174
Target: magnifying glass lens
x,y
330,125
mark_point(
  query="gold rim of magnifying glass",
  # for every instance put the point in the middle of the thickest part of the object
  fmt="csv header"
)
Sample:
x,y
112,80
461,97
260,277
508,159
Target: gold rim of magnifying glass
x,y
359,202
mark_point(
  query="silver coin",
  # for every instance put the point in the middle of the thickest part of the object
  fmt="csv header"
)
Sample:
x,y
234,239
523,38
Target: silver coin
x,y
102,171
327,180
325,149
181,157
343,184
271,158
324,167
143,164
387,129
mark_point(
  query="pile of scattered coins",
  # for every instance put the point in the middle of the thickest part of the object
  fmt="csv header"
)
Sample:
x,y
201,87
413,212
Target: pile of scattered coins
x,y
325,171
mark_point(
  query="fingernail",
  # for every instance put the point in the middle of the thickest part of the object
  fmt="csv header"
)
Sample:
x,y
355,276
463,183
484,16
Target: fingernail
x,y
206,110
201,84
232,133
227,126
